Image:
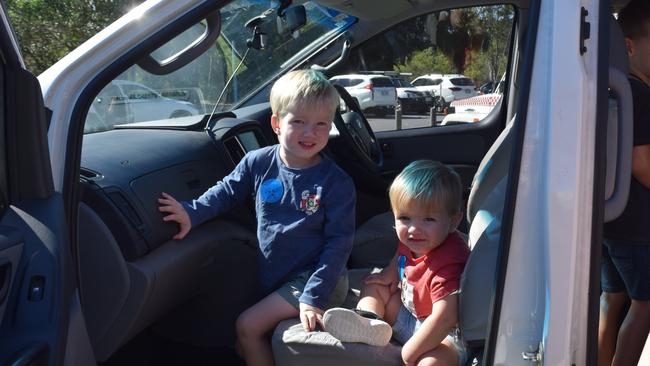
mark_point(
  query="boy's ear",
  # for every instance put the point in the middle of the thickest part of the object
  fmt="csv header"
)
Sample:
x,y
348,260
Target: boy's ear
x,y
455,221
275,124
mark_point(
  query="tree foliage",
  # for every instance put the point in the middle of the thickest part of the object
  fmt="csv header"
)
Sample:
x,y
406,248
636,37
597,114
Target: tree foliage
x,y
426,61
47,30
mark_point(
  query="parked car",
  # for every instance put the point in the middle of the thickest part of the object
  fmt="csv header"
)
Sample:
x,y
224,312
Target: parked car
x,y
89,273
445,88
124,101
471,110
491,87
410,99
373,93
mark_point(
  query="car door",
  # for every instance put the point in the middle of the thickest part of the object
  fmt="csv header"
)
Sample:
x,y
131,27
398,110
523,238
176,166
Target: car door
x,y
36,287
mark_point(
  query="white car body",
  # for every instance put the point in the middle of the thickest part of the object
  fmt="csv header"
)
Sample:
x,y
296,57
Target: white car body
x,y
443,85
134,102
364,89
471,110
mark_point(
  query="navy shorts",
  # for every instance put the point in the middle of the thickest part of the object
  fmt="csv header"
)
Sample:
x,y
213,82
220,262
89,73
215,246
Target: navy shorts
x,y
626,267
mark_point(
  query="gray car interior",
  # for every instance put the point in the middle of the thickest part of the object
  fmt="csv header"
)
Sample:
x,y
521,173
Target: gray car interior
x,y
133,277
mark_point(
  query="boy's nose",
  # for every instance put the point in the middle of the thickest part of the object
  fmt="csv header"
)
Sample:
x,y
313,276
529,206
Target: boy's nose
x,y
413,228
309,130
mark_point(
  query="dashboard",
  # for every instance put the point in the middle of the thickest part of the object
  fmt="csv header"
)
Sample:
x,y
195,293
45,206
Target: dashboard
x,y
131,271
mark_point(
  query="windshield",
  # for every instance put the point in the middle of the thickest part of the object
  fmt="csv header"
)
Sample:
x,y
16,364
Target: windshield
x,y
227,74
401,83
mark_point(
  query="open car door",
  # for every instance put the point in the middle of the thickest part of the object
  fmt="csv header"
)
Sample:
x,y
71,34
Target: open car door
x,y
36,286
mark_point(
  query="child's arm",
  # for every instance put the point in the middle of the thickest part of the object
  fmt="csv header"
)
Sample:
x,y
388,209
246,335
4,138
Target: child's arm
x,y
176,213
388,276
339,204
443,318
234,188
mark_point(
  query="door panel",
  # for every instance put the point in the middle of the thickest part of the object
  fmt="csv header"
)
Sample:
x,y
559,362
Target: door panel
x,y
11,248
34,311
35,279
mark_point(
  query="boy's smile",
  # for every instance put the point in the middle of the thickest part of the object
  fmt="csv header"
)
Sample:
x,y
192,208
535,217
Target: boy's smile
x,y
423,230
302,133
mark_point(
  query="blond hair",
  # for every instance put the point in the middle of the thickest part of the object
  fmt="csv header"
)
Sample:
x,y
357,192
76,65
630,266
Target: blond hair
x,y
427,184
302,87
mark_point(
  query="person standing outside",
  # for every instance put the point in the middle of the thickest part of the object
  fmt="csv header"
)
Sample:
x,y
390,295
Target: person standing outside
x,y
625,272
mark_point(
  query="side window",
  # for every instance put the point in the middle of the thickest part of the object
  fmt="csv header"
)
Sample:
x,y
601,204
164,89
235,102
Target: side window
x,y
221,78
355,82
464,48
382,82
138,96
422,82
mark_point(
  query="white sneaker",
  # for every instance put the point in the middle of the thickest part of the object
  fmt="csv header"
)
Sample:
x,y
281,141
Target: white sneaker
x,y
348,326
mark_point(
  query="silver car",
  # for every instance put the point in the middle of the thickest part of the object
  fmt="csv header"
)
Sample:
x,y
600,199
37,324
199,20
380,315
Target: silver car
x,y
123,101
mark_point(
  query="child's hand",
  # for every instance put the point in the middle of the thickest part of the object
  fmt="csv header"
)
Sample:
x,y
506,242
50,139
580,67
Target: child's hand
x,y
386,277
176,213
310,316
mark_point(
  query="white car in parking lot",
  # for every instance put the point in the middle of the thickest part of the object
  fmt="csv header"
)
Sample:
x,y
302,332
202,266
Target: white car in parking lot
x,y
373,93
445,88
124,101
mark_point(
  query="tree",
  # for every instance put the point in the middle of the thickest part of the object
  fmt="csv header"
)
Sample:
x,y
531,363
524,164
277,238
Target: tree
x,y
426,61
47,30
496,23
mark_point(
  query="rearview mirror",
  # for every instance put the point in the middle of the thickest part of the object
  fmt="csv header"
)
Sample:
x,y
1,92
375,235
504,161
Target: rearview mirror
x,y
291,19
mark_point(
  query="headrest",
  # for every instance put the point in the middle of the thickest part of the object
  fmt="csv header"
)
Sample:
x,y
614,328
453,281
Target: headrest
x,y
493,168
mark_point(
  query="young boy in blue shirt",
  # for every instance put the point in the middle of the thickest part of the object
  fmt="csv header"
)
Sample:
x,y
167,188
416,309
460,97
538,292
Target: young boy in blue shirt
x,y
305,208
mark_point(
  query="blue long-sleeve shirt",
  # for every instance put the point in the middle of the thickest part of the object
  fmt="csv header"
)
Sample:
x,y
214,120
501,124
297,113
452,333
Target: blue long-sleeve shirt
x,y
305,218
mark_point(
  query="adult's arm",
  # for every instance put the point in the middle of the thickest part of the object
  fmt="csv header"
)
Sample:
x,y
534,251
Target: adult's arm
x,y
641,164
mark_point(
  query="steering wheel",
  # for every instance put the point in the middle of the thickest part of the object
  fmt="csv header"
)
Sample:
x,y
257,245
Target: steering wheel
x,y
356,133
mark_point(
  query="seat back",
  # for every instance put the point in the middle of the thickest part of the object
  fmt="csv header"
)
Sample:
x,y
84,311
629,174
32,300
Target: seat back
x,y
484,211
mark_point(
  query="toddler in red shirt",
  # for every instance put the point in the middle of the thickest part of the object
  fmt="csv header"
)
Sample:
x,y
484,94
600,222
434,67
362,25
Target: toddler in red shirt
x,y
415,298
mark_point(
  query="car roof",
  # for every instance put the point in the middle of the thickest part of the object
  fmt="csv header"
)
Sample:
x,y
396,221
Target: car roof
x,y
358,76
442,76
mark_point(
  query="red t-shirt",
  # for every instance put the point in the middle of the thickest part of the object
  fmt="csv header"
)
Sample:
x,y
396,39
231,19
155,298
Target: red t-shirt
x,y
433,276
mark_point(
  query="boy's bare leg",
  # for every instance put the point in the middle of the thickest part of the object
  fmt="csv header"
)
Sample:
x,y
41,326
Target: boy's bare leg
x,y
254,325
611,306
633,334
381,300
445,354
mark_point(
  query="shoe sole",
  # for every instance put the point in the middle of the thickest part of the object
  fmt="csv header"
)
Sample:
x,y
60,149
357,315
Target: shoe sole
x,y
348,326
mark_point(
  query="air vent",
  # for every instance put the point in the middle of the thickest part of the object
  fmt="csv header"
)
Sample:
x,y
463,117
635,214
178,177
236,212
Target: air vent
x,y
235,149
88,174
